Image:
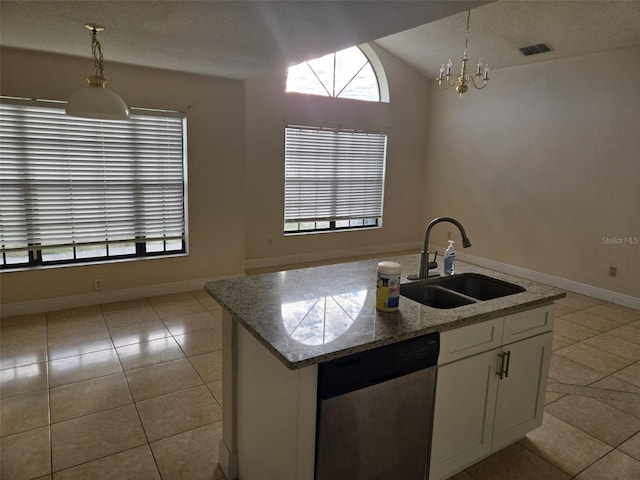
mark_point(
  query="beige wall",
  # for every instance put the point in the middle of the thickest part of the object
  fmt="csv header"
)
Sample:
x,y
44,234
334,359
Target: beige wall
x,y
541,165
215,117
538,167
269,109
219,185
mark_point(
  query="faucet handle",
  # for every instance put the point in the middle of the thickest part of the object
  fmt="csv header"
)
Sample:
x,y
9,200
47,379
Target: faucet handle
x,y
434,263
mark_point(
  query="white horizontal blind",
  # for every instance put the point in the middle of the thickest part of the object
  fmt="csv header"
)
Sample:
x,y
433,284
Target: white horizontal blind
x,y
333,174
70,181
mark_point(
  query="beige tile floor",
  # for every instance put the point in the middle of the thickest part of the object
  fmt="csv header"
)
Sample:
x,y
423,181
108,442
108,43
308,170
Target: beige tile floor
x,y
133,390
127,390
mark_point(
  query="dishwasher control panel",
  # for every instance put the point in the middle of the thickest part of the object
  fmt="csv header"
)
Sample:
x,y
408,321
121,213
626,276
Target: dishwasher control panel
x,y
371,367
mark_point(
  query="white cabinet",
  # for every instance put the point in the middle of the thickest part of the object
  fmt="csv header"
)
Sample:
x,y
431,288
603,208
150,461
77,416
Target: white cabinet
x,y
490,388
463,413
520,399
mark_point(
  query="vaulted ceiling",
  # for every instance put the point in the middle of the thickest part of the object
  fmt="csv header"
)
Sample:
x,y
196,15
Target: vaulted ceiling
x,y
244,39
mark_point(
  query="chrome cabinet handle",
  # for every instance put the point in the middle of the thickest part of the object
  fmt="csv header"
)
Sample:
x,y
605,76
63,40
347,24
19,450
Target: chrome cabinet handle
x,y
505,358
508,355
500,371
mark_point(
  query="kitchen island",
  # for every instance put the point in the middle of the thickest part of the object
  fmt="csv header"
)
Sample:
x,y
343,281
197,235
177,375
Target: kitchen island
x,y
278,327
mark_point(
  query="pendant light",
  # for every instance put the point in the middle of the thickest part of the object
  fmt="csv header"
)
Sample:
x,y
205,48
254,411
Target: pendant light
x,y
97,101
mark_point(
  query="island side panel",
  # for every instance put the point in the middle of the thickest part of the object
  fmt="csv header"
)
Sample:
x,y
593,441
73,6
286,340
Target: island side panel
x,y
228,448
275,414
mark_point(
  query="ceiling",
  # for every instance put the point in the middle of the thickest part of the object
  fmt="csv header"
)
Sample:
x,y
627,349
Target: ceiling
x,y
234,39
244,39
497,30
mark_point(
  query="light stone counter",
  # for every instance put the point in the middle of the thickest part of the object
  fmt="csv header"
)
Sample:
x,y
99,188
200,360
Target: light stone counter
x,y
312,315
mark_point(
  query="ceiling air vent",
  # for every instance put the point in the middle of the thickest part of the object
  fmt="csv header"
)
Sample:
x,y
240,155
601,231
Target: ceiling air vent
x,y
535,49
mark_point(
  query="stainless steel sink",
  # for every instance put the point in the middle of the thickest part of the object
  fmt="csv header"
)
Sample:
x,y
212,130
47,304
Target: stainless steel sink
x,y
479,286
458,290
434,296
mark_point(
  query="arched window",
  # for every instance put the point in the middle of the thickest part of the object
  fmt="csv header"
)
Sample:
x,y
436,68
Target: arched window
x,y
347,73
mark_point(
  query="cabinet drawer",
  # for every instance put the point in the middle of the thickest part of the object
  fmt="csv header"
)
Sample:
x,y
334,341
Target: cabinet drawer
x,y
466,341
528,323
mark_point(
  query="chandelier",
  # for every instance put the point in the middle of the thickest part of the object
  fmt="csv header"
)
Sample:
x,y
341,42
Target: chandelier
x,y
95,100
463,80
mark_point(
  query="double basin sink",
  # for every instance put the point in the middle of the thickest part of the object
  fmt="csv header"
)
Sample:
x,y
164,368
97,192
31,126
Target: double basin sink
x,y
457,290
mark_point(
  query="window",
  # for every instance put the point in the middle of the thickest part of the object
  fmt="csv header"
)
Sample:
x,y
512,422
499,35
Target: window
x,y
345,74
78,190
334,179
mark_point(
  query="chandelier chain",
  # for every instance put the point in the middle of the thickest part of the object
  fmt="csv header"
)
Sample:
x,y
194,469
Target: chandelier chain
x,y
466,35
96,50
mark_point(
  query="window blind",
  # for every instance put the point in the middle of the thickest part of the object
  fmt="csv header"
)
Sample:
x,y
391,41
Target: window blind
x,y
333,174
72,181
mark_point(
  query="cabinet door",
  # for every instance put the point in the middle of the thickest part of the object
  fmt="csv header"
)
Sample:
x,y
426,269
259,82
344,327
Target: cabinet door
x,y
520,400
464,414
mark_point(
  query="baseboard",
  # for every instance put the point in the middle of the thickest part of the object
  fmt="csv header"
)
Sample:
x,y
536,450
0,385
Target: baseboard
x,y
96,298
99,298
329,255
228,461
559,282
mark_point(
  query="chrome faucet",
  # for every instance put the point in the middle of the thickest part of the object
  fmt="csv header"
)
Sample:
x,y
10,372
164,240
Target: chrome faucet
x,y
425,264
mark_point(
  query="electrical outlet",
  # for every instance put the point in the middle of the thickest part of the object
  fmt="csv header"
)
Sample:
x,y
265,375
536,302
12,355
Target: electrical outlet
x,y
269,242
613,271
97,284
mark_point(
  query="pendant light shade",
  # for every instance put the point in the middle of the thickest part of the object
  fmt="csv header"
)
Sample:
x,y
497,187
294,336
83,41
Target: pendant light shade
x,y
97,101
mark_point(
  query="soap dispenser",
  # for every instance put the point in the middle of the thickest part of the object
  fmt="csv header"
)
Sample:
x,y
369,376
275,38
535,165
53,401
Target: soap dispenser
x,y
449,259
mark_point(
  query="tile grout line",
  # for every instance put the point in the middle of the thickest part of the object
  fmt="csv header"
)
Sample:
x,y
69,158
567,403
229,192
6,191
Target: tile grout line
x,y
611,448
135,405
50,418
49,388
188,358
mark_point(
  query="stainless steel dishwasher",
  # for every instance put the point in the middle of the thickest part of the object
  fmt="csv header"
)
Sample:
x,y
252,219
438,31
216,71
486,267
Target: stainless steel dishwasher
x,y
375,412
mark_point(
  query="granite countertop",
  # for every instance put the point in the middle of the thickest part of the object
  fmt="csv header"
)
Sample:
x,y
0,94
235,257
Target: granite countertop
x,y
311,315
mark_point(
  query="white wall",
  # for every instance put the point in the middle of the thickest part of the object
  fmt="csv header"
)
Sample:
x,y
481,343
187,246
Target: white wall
x,y
215,117
541,165
269,109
